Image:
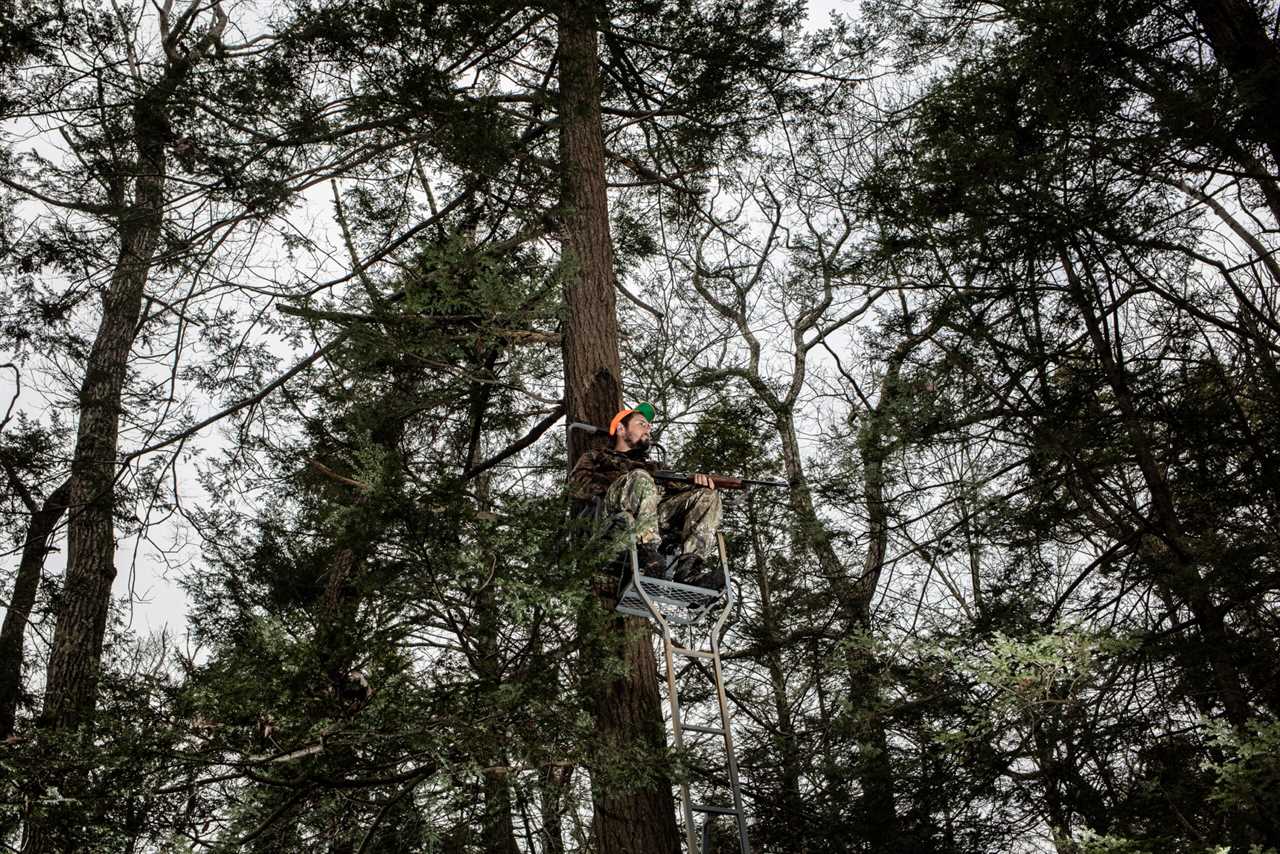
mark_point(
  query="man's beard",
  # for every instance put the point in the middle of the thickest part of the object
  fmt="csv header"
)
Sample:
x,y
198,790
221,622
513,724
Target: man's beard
x,y
639,450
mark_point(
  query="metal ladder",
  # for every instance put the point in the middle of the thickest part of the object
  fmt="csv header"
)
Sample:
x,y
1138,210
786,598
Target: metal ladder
x,y
670,603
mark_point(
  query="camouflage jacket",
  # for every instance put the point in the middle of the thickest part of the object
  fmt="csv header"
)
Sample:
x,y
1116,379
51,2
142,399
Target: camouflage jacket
x,y
597,469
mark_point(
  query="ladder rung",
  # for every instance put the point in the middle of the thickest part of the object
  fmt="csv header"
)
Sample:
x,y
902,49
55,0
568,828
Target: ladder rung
x,y
711,808
709,729
693,653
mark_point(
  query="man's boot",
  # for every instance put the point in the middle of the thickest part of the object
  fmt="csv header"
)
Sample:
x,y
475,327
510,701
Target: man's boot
x,y
652,563
692,570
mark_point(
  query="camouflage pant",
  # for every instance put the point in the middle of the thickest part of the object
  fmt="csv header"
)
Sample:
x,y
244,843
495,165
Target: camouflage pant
x,y
692,515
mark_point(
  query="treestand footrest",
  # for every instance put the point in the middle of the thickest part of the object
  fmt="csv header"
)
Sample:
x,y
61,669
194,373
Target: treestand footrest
x,y
680,603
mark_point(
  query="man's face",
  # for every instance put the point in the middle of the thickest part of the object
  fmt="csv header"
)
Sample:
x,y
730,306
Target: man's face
x,y
636,433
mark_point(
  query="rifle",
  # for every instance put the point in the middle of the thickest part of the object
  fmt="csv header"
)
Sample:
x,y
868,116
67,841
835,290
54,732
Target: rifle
x,y
721,481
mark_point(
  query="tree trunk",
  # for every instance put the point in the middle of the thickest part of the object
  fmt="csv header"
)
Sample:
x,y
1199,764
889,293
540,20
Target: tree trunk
x,y
72,682
497,830
551,797
632,815
72,675
592,366
638,819
43,523
787,744
338,639
813,533
875,772
1252,58
878,784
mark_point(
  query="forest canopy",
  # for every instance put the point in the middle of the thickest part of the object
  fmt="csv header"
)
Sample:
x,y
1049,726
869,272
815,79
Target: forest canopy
x,y
299,299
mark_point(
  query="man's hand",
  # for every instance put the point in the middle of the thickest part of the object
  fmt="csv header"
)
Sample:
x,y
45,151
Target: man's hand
x,y
704,481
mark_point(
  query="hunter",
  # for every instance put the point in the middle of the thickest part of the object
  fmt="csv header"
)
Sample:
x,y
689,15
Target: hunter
x,y
681,515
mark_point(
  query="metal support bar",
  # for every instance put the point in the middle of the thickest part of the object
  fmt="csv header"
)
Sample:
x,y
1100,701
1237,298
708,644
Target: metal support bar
x,y
677,732
693,653
714,810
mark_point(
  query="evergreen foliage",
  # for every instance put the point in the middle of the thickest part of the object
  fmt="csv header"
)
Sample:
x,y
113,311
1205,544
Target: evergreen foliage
x,y
992,287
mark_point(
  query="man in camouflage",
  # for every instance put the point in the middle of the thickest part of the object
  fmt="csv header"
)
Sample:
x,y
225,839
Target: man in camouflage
x,y
687,515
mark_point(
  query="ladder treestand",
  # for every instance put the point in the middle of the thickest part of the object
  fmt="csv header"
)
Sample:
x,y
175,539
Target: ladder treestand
x,y
668,604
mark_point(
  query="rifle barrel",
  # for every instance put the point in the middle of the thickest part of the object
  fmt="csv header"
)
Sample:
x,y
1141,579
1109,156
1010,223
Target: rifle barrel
x,y
589,429
688,477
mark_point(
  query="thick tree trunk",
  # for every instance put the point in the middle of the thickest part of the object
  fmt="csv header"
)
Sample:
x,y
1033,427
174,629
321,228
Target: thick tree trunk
x,y
498,832
632,815
637,819
71,679
25,586
72,682
592,365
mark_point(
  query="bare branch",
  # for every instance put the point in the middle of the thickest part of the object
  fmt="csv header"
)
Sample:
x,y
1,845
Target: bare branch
x,y
242,403
516,447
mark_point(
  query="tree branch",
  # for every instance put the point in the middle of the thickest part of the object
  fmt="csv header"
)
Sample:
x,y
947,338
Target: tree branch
x,y
511,450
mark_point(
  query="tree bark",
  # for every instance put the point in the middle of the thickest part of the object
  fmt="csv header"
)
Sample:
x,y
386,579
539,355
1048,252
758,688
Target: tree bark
x,y
551,795
498,832
497,829
75,659
592,365
44,521
72,682
638,819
